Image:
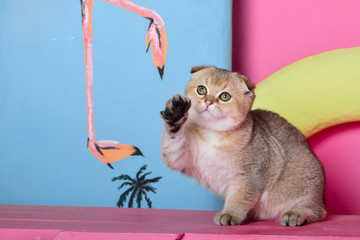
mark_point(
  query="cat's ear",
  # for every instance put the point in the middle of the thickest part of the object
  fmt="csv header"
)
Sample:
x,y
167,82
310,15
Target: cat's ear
x,y
250,86
247,85
196,69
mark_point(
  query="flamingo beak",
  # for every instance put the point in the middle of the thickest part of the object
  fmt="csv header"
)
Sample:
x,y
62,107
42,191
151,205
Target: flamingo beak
x,y
161,71
137,152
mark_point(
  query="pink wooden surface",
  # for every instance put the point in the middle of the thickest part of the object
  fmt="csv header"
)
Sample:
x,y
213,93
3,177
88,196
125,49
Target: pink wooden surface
x,y
60,223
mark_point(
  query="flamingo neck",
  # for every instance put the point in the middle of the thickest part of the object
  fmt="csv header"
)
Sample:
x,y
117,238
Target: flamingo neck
x,y
140,10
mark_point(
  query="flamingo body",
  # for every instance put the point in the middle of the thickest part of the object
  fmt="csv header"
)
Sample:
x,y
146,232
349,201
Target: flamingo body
x,y
111,151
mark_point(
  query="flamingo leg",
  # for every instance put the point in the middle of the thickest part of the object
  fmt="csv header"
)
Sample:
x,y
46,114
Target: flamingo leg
x,y
86,8
106,151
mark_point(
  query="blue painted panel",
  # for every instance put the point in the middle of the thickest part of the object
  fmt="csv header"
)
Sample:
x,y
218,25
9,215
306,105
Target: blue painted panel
x,y
43,154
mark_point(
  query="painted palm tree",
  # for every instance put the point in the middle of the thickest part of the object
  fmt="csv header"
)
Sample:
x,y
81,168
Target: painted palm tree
x,y
138,188
105,150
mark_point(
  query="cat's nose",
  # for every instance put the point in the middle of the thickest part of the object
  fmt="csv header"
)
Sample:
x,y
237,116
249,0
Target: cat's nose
x,y
208,103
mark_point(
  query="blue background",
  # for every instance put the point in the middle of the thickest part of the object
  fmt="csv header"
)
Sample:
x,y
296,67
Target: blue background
x,y
43,154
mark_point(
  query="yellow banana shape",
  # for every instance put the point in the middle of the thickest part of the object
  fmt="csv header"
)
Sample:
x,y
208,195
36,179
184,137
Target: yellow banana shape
x,y
316,92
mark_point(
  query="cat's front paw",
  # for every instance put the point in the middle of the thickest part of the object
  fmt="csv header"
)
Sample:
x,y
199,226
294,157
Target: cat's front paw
x,y
226,219
293,219
175,113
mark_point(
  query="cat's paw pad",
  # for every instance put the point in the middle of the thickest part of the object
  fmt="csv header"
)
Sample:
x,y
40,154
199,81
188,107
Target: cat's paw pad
x,y
293,219
175,112
225,219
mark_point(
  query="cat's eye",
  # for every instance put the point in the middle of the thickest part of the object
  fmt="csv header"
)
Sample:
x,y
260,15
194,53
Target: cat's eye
x,y
225,96
201,90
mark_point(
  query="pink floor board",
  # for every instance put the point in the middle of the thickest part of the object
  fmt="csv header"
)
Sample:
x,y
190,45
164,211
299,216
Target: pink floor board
x,y
60,223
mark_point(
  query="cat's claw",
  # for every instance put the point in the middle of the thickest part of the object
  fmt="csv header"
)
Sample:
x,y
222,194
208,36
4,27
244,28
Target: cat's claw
x,y
175,113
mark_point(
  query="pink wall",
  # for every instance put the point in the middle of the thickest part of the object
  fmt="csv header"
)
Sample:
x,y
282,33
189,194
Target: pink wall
x,y
268,35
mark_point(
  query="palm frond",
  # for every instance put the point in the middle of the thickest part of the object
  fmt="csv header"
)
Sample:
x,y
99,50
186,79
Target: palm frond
x,y
140,171
152,180
132,196
123,196
148,188
126,183
123,177
149,203
139,198
141,178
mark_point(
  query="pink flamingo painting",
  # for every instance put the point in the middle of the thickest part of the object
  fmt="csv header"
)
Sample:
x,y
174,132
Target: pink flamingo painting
x,y
105,150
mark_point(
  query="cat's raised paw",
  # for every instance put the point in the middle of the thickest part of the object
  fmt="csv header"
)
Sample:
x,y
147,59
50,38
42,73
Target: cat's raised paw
x,y
225,219
175,113
292,219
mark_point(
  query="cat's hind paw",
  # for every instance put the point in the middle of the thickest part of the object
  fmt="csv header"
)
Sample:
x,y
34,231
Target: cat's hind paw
x,y
225,219
175,113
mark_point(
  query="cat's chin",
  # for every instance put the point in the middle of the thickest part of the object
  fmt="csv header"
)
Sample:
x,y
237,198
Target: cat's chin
x,y
206,120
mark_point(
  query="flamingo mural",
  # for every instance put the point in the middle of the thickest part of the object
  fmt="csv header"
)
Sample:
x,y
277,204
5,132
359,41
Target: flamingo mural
x,y
106,150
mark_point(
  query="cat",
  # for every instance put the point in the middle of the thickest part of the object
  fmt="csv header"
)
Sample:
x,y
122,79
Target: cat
x,y
259,163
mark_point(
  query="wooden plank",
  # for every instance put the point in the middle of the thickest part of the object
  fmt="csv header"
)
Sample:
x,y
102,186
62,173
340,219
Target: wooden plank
x,y
58,223
24,234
